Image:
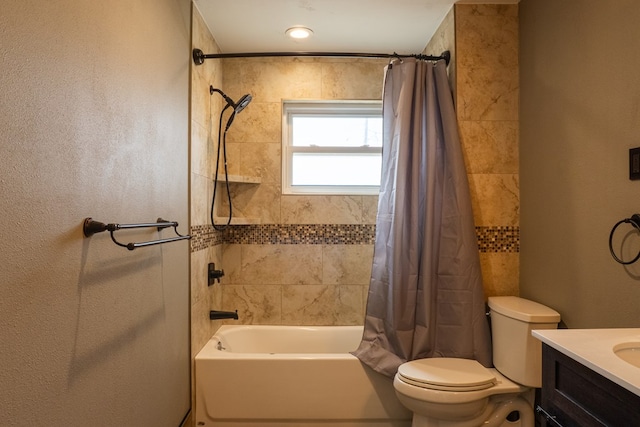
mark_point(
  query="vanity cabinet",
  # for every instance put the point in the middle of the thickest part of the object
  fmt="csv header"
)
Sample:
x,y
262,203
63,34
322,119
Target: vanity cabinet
x,y
576,396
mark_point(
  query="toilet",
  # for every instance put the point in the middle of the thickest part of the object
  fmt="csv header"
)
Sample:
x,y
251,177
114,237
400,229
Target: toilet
x,y
453,392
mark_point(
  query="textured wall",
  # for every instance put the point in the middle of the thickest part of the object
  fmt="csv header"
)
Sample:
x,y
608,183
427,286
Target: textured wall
x,y
580,115
94,123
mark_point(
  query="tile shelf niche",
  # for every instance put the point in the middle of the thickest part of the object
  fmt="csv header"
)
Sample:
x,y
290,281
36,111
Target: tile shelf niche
x,y
237,221
239,179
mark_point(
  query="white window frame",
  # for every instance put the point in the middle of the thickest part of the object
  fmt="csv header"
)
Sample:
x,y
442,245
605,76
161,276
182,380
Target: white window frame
x,y
332,108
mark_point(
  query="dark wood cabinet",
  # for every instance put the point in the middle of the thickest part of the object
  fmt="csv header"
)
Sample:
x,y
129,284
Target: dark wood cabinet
x,y
576,396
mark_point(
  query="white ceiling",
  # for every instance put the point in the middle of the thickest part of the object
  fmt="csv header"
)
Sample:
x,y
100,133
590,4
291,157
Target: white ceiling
x,y
368,26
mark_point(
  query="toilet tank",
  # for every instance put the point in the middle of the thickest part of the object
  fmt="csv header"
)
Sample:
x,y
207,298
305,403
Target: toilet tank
x,y
516,353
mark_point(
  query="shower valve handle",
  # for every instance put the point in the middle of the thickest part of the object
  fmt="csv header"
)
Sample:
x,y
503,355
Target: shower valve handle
x,y
214,274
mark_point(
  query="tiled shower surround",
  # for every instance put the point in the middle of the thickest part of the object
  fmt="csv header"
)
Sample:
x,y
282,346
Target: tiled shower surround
x,y
308,274
307,259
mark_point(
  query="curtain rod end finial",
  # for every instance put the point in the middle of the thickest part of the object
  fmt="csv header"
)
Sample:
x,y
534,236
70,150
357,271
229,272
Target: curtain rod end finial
x,y
198,56
446,55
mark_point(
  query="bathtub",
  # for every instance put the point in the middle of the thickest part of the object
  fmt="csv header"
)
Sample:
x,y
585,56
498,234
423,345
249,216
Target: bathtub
x,y
249,376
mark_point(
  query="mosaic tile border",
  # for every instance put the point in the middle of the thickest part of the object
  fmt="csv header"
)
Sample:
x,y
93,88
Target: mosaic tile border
x,y
203,237
490,239
498,239
302,234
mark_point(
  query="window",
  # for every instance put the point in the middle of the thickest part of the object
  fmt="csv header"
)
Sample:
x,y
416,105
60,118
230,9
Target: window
x,y
331,147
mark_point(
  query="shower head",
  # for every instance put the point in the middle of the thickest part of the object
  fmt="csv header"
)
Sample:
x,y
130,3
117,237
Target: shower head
x,y
242,103
237,107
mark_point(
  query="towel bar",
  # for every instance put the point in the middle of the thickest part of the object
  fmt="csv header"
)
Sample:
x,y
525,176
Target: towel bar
x,y
91,227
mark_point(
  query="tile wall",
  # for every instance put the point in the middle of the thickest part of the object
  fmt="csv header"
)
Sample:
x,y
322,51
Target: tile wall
x,y
205,247
487,95
307,259
483,41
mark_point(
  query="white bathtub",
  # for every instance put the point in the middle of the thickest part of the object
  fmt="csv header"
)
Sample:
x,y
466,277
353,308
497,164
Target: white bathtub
x,y
249,376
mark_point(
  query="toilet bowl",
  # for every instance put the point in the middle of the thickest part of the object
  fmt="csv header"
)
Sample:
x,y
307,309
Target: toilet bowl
x,y
452,392
460,405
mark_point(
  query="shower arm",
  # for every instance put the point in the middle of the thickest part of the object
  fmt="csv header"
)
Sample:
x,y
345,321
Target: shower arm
x,y
224,95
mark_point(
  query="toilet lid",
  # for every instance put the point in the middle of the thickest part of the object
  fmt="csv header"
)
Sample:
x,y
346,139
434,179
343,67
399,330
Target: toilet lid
x,y
445,373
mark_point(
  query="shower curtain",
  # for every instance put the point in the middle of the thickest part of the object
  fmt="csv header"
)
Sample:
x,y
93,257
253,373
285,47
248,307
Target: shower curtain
x,y
425,296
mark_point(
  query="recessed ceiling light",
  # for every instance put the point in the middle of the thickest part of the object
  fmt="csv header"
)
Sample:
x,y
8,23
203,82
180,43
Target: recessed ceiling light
x,y
299,32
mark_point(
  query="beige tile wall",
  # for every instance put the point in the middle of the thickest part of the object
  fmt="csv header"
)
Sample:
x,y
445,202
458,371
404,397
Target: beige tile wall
x,y
444,39
306,284
327,283
483,41
203,297
487,93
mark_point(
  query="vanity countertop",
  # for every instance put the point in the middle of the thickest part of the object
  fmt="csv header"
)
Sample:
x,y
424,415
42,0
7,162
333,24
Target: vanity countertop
x,y
594,349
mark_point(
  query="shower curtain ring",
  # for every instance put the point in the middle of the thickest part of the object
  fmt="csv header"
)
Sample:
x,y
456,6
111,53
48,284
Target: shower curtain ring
x,y
393,57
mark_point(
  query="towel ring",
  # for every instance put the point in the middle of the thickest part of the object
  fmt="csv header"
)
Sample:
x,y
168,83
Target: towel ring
x,y
635,222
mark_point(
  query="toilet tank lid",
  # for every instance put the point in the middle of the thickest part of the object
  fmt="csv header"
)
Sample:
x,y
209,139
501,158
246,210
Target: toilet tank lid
x,y
523,309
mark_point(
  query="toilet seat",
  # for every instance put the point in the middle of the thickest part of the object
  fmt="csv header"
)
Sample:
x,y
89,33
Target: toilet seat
x,y
447,374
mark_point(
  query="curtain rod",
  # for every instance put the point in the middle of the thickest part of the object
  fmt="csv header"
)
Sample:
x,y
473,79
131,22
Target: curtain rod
x,y
199,56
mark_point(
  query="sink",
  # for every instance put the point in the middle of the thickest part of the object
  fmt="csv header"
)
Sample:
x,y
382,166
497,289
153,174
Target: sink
x,y
629,352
